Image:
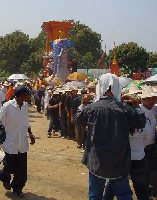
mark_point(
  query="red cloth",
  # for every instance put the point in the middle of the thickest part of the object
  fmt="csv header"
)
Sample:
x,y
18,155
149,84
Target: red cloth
x,y
9,94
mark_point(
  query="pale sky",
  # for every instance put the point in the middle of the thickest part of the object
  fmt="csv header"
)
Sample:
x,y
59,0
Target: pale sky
x,y
116,20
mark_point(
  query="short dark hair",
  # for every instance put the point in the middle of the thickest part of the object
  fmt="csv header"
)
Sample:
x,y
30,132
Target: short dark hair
x,y
21,90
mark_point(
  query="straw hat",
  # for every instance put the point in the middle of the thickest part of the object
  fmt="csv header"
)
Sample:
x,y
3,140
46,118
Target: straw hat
x,y
18,84
59,90
132,90
91,85
62,91
49,91
67,89
6,83
79,91
147,91
125,91
74,88
55,92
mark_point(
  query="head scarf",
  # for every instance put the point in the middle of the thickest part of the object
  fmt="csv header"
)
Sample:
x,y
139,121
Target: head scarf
x,y
104,82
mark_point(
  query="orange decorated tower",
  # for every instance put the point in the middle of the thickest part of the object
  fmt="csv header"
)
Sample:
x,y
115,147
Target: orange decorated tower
x,y
114,66
55,30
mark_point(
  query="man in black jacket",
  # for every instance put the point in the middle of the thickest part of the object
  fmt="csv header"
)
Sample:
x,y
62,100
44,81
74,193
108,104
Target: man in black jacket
x,y
107,151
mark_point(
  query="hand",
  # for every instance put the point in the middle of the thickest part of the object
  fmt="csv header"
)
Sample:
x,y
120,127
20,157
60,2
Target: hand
x,y
72,120
32,138
132,100
68,115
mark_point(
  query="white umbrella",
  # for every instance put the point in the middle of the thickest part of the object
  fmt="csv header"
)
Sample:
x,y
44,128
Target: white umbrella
x,y
18,77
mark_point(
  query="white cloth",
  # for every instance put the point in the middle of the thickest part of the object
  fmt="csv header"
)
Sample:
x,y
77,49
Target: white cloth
x,y
16,123
46,100
150,124
104,82
137,144
62,69
4,90
2,98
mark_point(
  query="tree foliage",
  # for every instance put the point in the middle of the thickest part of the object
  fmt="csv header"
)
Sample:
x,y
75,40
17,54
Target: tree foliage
x,y
19,54
34,63
152,62
87,46
131,57
14,50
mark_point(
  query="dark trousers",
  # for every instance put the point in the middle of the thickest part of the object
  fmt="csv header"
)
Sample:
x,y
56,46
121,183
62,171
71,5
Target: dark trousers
x,y
80,134
138,178
63,120
15,164
150,161
54,123
116,187
38,104
70,129
51,127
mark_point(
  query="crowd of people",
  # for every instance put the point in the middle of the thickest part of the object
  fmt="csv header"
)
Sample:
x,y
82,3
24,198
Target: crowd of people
x,y
116,130
61,106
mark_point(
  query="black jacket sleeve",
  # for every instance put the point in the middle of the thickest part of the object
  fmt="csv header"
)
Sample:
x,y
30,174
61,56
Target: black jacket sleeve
x,y
135,116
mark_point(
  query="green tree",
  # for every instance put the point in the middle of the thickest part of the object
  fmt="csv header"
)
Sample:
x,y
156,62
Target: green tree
x,y
131,57
35,61
86,61
152,62
34,64
86,42
14,50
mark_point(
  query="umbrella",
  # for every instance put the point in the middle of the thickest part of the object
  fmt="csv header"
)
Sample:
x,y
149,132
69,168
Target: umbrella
x,y
77,76
18,77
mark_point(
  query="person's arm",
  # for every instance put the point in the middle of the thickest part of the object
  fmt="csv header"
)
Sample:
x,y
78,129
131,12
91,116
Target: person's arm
x,y
135,116
60,108
82,116
54,106
3,113
31,136
66,107
72,114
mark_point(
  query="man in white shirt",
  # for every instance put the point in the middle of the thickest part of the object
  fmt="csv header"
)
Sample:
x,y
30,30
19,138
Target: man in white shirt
x,y
2,98
14,116
148,106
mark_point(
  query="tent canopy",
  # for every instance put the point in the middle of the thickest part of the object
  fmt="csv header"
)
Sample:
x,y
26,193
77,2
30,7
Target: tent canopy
x,y
18,77
152,78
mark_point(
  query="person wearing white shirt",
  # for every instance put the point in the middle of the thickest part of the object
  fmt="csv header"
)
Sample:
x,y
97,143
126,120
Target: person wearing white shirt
x,y
2,98
46,102
137,171
14,116
137,139
148,106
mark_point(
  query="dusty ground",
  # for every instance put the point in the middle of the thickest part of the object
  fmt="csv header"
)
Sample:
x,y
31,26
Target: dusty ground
x,y
54,168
